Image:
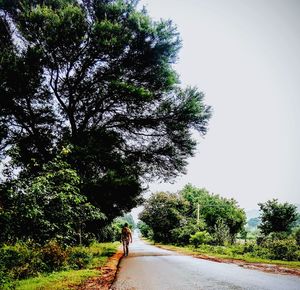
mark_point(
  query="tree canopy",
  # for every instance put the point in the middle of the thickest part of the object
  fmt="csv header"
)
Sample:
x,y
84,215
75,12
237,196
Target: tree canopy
x,y
173,217
47,207
215,209
96,75
277,217
163,212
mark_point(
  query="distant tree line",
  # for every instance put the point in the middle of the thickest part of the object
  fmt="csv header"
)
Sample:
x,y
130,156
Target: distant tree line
x,y
173,218
196,217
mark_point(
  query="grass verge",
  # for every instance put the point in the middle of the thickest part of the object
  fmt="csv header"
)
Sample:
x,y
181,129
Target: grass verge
x,y
246,258
70,277
57,281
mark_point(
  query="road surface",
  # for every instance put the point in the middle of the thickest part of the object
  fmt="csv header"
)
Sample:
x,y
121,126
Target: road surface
x,y
150,268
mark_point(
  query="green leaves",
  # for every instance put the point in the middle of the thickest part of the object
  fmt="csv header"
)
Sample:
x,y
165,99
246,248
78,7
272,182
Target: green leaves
x,y
173,217
47,207
44,27
216,210
277,217
200,238
163,212
98,76
108,33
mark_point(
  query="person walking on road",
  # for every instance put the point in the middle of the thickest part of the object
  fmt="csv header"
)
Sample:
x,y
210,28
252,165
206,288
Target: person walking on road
x,y
126,237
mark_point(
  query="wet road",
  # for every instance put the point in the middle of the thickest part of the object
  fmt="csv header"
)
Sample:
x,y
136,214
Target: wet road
x,y
151,268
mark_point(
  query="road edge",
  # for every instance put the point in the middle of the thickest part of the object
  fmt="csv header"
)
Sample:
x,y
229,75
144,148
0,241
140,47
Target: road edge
x,y
269,268
109,271
107,274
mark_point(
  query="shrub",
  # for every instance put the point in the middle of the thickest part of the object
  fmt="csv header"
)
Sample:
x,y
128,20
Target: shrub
x,y
20,260
5,278
286,249
79,258
182,235
260,240
249,248
53,256
221,233
297,236
24,260
237,249
145,230
199,238
108,251
278,236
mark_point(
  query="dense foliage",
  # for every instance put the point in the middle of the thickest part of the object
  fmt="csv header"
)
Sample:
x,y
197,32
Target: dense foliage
x,y
163,212
112,232
96,77
284,250
215,210
23,260
173,217
47,207
276,217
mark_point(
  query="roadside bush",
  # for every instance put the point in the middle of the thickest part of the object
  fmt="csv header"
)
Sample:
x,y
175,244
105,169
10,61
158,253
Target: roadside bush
x,y
200,238
83,257
297,236
221,233
278,236
21,260
107,250
145,230
222,250
79,258
256,251
110,233
286,249
237,249
260,240
249,248
53,256
182,235
5,278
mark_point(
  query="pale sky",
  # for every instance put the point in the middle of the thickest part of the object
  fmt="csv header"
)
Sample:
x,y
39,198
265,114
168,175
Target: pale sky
x,y
244,55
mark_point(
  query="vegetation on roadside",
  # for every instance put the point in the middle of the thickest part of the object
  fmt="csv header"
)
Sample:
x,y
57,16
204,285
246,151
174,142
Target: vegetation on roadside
x,y
173,218
209,224
62,280
96,110
96,88
28,266
235,252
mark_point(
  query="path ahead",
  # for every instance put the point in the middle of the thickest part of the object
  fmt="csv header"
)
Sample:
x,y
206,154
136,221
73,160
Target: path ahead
x,y
150,268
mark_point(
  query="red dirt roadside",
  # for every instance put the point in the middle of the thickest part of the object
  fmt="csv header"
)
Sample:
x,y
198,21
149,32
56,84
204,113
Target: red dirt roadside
x,y
107,274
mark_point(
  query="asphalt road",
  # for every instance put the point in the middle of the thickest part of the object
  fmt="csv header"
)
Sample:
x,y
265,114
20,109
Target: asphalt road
x,y
150,268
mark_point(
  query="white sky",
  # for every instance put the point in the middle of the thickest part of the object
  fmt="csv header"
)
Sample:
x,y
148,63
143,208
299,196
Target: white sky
x,y
244,55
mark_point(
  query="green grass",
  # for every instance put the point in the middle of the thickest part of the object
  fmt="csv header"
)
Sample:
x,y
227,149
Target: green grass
x,y
57,281
69,278
227,254
99,252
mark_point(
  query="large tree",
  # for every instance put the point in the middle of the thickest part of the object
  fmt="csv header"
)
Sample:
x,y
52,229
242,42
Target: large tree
x,y
216,211
164,212
96,75
277,217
